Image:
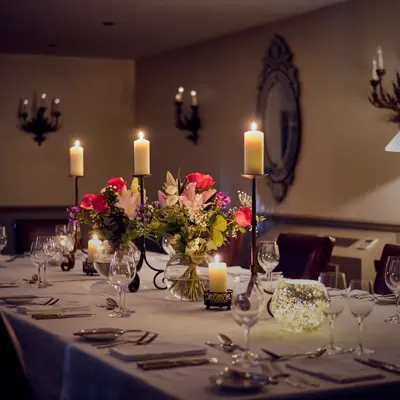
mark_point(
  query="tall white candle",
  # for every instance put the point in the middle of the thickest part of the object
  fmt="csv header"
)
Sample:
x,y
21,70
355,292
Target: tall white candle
x,y
141,148
194,97
217,276
380,58
76,159
253,151
374,74
93,245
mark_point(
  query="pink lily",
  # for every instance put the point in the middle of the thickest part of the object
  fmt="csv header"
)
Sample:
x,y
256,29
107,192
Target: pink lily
x,y
129,202
162,198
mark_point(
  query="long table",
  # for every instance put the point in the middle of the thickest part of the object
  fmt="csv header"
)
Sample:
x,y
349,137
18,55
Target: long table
x,y
62,366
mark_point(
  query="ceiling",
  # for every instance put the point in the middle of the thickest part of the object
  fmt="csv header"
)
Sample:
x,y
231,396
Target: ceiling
x,y
142,27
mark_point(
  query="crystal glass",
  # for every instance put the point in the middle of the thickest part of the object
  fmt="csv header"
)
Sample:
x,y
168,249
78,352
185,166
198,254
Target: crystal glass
x,y
186,280
61,229
268,258
121,274
248,304
360,304
3,237
166,245
37,255
392,279
337,301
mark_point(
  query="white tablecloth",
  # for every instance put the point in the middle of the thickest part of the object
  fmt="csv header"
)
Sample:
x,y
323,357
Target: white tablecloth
x,y
64,367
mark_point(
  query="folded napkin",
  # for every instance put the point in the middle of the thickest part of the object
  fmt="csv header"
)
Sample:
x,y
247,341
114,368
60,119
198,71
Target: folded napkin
x,y
156,351
335,369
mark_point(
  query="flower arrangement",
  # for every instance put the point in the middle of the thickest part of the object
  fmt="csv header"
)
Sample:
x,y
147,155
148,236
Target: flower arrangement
x,y
196,219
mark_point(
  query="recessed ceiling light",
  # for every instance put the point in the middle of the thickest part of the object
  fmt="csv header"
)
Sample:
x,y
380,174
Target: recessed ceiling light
x,y
108,23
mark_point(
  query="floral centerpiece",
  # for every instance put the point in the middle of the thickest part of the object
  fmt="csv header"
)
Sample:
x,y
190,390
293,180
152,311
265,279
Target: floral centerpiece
x,y
194,215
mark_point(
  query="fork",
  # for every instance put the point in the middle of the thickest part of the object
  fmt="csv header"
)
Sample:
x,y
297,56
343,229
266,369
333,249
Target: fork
x,y
142,340
49,302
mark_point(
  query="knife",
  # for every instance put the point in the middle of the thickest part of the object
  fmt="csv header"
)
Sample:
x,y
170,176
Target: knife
x,y
60,316
183,362
380,365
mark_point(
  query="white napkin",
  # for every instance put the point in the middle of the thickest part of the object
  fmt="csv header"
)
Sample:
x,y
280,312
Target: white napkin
x,y
335,369
156,351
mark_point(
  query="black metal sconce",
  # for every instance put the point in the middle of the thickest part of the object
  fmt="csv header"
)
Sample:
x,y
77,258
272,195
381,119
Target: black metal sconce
x,y
379,97
184,123
39,124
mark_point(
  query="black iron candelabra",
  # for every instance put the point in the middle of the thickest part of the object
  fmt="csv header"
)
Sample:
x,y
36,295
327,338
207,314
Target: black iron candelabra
x,y
143,257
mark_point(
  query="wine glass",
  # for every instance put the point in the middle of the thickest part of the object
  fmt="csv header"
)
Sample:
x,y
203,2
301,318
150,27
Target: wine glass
x,y
392,279
335,306
268,257
121,274
360,304
166,245
3,237
248,304
48,253
37,258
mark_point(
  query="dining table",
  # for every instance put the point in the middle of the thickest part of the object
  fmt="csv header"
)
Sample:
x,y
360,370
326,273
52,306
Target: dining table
x,y
63,366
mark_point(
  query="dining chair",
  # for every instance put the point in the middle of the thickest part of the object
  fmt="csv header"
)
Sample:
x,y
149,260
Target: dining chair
x,y
12,367
303,256
379,284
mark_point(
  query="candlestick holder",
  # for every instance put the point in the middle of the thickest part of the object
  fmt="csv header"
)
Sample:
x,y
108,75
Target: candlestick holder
x,y
88,268
218,299
143,258
184,123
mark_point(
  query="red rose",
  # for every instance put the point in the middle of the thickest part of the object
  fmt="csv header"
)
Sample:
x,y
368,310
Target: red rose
x,y
99,203
86,202
203,181
243,216
118,183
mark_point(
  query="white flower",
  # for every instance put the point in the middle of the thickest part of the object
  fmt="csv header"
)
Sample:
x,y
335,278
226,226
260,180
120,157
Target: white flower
x,y
171,200
171,190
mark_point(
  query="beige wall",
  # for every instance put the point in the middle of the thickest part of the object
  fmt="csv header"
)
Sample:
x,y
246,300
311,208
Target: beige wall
x,y
343,170
97,102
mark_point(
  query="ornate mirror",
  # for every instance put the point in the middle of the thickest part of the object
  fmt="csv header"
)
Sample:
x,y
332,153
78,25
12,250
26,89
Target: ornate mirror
x,y
278,112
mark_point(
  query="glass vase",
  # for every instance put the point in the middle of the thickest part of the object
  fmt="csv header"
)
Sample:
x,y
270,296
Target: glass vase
x,y
186,280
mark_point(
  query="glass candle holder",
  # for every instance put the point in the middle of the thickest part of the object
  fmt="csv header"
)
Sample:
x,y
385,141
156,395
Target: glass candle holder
x,y
298,305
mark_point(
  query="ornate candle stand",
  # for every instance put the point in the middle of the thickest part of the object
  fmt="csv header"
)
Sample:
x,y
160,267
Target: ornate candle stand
x,y
381,99
39,124
70,263
143,257
184,123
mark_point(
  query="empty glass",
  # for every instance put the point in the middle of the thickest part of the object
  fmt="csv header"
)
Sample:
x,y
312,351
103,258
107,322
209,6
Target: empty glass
x,y
37,257
334,283
392,279
49,251
361,304
121,273
3,237
248,304
268,257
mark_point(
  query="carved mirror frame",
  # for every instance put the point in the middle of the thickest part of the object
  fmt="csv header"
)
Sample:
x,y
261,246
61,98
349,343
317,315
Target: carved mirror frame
x,y
278,68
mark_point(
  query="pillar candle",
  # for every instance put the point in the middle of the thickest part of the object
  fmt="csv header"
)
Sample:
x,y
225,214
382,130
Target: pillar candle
x,y
217,276
374,74
380,58
253,151
76,159
141,149
93,245
194,97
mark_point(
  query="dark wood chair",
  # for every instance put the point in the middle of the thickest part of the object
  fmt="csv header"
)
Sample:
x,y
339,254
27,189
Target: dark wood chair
x,y
390,250
303,256
12,368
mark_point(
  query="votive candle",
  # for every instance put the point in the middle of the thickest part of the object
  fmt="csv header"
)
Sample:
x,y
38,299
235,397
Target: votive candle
x,y
217,276
93,245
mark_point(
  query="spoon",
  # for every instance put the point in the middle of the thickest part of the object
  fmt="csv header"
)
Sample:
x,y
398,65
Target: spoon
x,y
284,357
34,279
111,303
227,341
226,349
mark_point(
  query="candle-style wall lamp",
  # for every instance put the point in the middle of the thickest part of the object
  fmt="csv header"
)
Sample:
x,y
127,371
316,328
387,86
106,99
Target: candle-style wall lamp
x,y
40,122
184,123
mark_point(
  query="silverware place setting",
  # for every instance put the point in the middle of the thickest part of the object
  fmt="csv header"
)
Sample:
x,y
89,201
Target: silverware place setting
x,y
146,338
20,302
286,357
177,363
103,335
66,315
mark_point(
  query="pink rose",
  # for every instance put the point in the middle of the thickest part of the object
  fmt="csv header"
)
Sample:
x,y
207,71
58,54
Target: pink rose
x,y
118,183
243,216
99,203
86,202
203,181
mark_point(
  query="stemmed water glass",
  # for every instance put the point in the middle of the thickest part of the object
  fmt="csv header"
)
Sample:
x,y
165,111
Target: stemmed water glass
x,y
335,285
248,304
392,279
49,251
268,257
121,274
37,258
360,305
3,237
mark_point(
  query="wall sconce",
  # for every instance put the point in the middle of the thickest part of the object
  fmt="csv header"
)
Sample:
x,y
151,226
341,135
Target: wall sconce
x,y
184,123
39,124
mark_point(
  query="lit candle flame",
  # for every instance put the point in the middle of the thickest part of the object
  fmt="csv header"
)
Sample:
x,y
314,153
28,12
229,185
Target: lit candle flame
x,y
254,126
95,237
57,101
141,136
216,258
77,143
26,102
181,89
193,93
43,96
